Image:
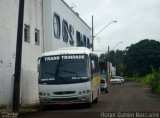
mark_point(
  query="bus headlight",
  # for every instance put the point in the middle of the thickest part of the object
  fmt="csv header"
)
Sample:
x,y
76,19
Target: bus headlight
x,y
88,91
48,94
80,92
40,94
84,92
44,94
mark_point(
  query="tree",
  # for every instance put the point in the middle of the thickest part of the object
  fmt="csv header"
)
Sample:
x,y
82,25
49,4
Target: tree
x,y
102,58
116,58
141,57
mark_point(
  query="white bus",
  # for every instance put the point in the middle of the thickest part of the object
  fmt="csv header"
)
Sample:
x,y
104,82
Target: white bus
x,y
69,76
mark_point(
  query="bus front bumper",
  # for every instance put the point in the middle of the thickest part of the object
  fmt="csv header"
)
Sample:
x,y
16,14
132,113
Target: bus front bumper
x,y
65,100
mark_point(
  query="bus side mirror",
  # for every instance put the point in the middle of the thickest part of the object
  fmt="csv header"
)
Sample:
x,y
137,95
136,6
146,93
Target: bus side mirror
x,y
93,65
38,65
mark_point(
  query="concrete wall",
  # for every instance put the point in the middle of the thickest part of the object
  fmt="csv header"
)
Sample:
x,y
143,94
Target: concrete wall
x,y
30,51
8,34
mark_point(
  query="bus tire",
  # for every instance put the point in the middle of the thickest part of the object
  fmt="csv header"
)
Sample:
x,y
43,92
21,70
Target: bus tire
x,y
89,104
95,101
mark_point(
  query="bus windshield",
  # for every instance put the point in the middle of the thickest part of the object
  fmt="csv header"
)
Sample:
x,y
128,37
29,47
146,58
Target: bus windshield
x,y
64,69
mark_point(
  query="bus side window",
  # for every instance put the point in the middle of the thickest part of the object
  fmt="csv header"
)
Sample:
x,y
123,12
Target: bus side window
x,y
95,70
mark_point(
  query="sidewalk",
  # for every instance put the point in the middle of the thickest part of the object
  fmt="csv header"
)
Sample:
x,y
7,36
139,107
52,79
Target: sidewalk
x,y
4,109
7,113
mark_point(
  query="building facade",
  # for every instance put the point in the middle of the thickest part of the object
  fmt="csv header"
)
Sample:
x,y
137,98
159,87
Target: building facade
x,y
48,25
63,27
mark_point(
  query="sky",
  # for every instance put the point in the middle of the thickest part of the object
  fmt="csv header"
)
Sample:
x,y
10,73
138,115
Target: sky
x,y
136,20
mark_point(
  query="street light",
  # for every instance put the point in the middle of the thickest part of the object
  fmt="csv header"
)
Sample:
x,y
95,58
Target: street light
x,y
105,27
117,45
113,48
93,36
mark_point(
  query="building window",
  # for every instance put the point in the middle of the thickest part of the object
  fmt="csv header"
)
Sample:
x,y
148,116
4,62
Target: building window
x,y
88,43
27,33
37,37
71,34
65,31
71,29
79,39
84,40
56,25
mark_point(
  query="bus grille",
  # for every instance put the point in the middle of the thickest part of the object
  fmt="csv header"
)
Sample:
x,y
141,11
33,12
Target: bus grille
x,y
65,99
64,92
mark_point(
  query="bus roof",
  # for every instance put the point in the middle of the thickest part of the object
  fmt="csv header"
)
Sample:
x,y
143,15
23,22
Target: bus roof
x,y
69,50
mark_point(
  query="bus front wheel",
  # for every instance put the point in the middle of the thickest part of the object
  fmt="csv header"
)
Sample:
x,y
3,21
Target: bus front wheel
x,y
95,101
89,104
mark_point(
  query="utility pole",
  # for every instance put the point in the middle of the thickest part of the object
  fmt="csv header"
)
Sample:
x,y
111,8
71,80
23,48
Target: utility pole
x,y
92,35
108,62
17,74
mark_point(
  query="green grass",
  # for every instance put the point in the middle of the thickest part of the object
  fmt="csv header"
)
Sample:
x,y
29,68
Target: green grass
x,y
152,79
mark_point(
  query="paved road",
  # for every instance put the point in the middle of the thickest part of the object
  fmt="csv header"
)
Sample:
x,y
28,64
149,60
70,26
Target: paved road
x,y
128,97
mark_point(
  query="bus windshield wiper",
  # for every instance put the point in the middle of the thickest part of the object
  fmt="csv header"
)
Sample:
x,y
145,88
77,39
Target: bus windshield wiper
x,y
56,76
76,74
49,73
